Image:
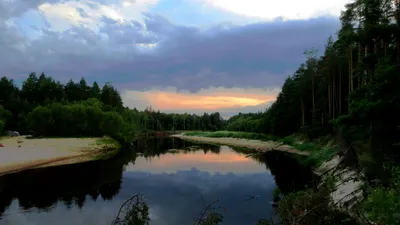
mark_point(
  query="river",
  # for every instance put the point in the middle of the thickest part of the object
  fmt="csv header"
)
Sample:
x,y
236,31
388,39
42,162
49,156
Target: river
x,y
175,177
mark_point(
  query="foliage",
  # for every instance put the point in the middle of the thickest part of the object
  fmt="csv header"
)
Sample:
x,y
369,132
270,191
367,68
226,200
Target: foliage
x,y
250,122
383,203
276,194
231,134
350,89
46,107
1,127
310,207
134,211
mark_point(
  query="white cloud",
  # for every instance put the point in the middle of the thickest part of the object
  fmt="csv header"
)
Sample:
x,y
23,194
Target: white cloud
x,y
287,9
90,14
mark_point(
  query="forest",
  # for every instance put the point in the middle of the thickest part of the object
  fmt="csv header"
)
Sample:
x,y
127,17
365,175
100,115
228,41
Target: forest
x,y
45,107
351,90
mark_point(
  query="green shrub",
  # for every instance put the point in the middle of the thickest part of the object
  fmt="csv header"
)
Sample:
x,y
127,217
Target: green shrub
x,y
276,194
383,203
383,206
2,124
307,207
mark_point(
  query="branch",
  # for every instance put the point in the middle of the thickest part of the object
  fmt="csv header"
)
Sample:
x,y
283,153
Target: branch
x,y
305,214
199,218
117,220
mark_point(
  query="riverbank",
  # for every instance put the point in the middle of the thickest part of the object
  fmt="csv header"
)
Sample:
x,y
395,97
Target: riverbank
x,y
258,145
23,153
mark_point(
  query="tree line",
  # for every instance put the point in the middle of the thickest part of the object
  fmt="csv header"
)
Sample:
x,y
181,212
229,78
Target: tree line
x,y
45,107
351,88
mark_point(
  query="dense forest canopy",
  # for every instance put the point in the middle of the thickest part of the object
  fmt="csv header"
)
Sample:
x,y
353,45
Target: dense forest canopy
x,y
46,107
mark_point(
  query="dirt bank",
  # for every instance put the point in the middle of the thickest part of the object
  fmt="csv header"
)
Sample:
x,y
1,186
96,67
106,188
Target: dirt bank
x,y
21,153
262,146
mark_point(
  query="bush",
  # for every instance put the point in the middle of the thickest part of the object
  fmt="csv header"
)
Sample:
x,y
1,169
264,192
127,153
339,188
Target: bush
x,y
1,127
86,118
383,204
276,194
306,208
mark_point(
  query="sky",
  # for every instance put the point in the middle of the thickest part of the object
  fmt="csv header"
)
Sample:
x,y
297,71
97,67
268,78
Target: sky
x,y
190,56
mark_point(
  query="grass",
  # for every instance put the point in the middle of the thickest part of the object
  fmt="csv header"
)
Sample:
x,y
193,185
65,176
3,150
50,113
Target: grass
x,y
108,141
110,148
321,150
232,134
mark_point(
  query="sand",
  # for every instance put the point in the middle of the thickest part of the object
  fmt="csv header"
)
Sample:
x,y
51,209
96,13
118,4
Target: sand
x,y
257,145
20,153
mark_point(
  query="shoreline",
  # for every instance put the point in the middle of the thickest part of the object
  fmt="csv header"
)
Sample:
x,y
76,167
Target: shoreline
x,y
22,153
257,145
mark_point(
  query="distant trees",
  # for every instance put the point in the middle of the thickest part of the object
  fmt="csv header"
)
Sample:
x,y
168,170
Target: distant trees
x,y
47,107
250,122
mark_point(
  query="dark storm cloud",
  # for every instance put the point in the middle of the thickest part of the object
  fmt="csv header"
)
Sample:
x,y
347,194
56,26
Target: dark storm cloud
x,y
255,55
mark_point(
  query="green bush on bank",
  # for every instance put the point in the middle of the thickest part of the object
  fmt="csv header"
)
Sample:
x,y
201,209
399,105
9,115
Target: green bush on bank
x,y
382,204
1,127
85,118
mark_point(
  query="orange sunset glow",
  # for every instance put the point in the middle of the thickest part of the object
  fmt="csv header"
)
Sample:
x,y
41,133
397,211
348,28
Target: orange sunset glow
x,y
210,99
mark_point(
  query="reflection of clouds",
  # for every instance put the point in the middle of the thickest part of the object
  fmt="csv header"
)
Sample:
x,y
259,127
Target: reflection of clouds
x,y
178,194
226,161
174,199
173,192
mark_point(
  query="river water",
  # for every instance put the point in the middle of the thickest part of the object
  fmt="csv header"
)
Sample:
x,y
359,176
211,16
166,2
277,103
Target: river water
x,y
175,177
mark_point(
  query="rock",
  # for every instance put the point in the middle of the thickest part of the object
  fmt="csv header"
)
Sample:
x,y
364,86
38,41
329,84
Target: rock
x,y
328,166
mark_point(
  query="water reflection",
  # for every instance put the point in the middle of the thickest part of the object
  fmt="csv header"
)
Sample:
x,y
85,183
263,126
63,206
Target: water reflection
x,y
171,173
185,160
70,184
288,174
160,146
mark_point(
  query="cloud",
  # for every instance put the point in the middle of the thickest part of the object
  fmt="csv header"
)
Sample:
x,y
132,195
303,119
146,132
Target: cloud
x,y
228,101
138,50
285,9
185,189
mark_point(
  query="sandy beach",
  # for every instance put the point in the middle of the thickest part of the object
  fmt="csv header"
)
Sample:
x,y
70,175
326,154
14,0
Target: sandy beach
x,y
257,145
21,153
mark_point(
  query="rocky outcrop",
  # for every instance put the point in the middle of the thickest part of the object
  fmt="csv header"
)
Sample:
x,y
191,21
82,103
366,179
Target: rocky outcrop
x,y
347,192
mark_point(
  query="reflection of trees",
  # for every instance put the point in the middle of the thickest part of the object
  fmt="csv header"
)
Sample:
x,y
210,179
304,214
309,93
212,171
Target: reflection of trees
x,y
289,174
153,147
71,184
